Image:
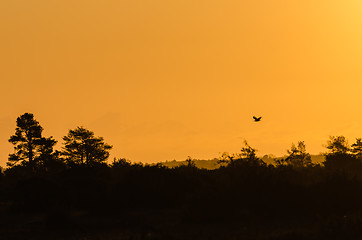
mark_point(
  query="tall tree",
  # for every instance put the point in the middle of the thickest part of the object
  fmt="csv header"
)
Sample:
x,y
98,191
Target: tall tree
x,y
82,147
30,147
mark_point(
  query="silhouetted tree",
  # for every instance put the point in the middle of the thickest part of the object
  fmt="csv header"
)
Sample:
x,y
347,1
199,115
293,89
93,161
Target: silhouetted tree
x,y
340,158
30,148
297,156
226,159
82,147
248,156
338,145
190,162
356,148
247,151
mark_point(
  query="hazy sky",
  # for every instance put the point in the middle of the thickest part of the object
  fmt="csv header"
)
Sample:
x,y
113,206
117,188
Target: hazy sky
x,y
162,79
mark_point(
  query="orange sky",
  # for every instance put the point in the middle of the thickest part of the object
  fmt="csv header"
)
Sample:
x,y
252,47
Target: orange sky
x,y
166,79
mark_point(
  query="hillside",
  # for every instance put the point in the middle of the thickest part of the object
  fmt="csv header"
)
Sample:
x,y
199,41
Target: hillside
x,y
213,163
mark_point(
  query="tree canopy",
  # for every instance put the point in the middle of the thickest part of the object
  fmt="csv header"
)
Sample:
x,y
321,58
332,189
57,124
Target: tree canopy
x,y
338,145
30,147
82,147
298,156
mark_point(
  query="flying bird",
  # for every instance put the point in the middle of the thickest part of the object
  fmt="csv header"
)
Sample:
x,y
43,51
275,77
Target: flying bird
x,y
256,119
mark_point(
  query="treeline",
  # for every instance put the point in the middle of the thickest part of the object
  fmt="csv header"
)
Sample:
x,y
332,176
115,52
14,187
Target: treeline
x,y
36,152
80,195
214,163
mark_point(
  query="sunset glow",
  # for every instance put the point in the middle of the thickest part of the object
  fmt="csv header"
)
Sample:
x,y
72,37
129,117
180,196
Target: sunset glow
x,y
163,80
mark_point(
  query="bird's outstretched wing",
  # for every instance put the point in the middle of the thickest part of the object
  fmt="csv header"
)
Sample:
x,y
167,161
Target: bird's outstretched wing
x,y
256,119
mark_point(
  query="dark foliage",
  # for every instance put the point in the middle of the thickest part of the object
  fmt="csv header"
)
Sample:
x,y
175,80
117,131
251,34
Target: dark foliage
x,y
243,199
82,147
30,147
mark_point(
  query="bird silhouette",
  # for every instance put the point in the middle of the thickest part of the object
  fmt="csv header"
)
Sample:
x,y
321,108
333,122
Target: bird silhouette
x,y
256,119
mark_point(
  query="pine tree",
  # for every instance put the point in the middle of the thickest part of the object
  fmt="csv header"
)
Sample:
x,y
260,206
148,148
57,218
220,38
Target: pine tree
x,y
82,147
30,148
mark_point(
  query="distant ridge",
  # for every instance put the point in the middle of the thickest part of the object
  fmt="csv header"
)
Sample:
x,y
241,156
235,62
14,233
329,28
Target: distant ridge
x,y
213,163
